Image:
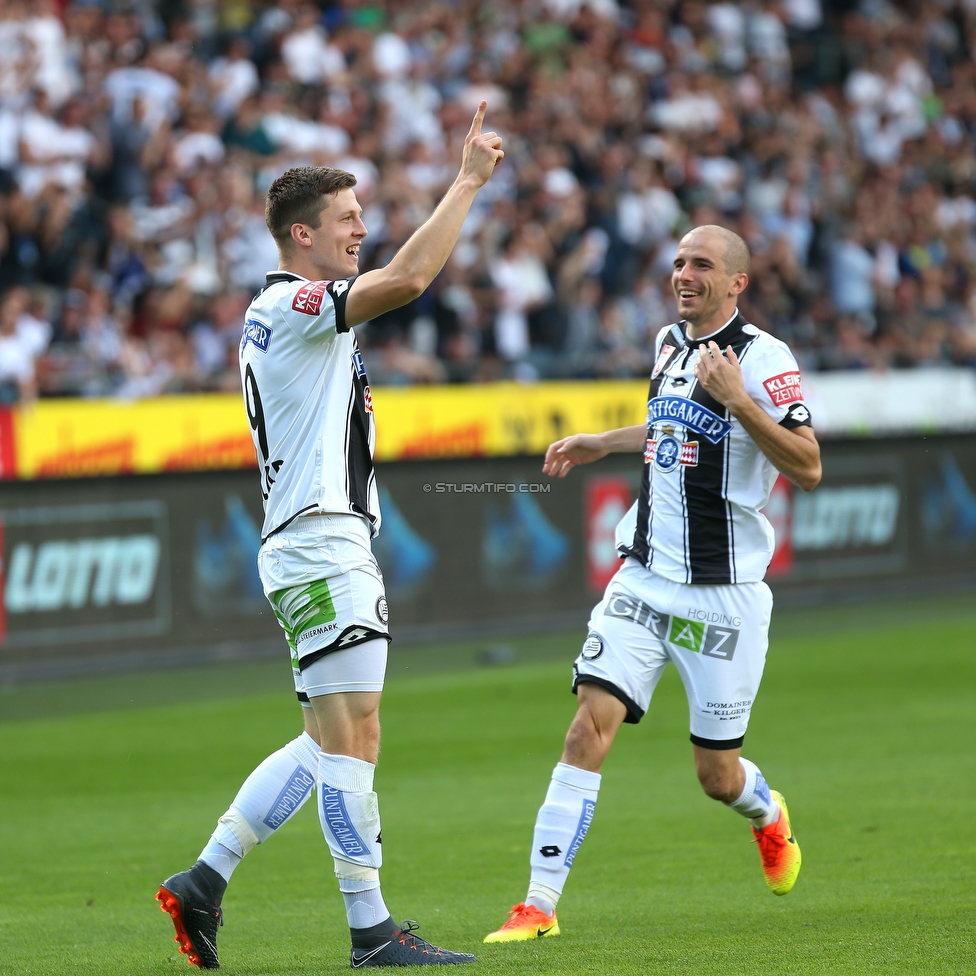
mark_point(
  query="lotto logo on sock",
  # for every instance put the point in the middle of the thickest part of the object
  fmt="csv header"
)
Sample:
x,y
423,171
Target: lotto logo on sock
x,y
586,818
334,811
291,797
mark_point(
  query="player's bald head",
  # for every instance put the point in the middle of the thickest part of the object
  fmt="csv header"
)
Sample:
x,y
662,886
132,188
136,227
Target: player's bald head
x,y
733,250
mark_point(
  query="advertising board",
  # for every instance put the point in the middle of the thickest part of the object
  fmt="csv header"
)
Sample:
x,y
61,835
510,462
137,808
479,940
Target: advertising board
x,y
104,570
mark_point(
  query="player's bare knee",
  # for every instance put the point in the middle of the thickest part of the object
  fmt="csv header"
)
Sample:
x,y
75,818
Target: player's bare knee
x,y
718,784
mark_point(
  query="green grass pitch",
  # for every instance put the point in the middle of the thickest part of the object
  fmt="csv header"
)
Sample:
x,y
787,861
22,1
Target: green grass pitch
x,y
865,722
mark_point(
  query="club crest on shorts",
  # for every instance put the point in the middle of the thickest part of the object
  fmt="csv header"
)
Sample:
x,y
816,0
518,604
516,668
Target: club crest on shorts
x,y
382,609
592,647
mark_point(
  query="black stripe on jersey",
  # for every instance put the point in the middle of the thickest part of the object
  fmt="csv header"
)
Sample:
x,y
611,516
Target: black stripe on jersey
x,y
359,462
707,537
709,540
640,547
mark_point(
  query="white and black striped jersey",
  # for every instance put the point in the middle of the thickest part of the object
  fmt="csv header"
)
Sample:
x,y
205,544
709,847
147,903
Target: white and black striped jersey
x,y
698,517
308,402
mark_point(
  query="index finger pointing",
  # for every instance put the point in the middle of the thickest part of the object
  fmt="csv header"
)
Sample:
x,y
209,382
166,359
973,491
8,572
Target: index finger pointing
x,y
479,117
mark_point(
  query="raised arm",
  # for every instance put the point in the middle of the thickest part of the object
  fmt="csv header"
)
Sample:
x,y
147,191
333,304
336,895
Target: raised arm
x,y
564,455
418,262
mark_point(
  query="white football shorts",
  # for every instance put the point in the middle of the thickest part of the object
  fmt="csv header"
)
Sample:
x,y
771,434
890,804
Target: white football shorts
x,y
327,591
716,636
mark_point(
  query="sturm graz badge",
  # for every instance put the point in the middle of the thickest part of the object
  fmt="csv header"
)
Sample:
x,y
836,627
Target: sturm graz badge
x,y
592,647
382,609
668,454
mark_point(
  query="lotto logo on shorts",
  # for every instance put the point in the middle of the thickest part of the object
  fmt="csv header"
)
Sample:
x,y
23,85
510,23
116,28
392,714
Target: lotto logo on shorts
x,y
707,639
784,388
308,298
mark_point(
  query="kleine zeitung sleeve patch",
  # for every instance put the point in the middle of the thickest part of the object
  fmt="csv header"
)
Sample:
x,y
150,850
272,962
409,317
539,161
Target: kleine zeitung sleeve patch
x,y
308,298
784,389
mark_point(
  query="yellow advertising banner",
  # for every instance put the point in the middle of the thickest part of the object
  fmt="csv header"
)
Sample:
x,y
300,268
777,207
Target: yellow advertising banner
x,y
90,438
499,419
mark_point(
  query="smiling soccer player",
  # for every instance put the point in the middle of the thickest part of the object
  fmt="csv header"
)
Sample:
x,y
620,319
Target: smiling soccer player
x,y
725,413
311,418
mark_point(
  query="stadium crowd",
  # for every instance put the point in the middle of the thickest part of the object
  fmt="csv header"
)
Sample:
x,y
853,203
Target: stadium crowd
x,y
138,138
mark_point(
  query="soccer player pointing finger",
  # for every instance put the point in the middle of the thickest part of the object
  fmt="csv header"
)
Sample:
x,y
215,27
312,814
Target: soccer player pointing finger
x,y
311,416
725,413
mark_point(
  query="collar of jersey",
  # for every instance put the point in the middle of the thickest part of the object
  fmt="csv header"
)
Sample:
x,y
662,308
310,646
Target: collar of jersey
x,y
726,331
274,277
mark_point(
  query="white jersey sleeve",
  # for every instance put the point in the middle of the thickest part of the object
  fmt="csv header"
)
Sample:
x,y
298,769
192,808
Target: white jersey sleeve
x,y
772,379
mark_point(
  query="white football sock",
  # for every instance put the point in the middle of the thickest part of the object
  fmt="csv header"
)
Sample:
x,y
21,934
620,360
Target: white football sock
x,y
350,819
560,827
755,801
267,800
364,908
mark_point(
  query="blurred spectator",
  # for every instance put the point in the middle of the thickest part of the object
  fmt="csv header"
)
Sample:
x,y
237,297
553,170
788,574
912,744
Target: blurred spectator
x,y
137,143
22,339
233,78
